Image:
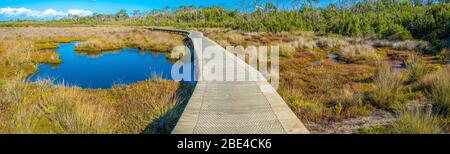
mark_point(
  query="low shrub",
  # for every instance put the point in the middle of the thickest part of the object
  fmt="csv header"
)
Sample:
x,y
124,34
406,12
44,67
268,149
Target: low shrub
x,y
395,32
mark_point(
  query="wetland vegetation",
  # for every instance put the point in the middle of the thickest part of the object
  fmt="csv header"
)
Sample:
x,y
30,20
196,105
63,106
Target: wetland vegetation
x,y
367,88
148,106
371,66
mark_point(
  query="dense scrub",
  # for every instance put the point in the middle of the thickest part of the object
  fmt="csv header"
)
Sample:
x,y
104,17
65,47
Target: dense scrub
x,y
399,20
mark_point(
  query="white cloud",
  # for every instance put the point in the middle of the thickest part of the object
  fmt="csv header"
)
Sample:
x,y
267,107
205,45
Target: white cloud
x,y
49,13
79,12
52,12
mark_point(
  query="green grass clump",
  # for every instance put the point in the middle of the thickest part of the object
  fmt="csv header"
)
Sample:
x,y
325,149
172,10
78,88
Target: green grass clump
x,y
416,122
287,50
310,111
408,122
438,86
416,67
387,88
440,95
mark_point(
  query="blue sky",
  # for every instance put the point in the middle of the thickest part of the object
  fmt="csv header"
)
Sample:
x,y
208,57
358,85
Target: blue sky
x,y
51,9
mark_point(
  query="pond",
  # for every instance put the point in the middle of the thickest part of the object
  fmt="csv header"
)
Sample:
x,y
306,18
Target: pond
x,y
105,70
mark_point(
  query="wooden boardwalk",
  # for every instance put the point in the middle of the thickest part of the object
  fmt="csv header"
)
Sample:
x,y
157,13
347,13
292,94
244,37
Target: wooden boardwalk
x,y
249,106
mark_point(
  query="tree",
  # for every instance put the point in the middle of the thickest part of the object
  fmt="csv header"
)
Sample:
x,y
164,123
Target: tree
x,y
122,14
137,13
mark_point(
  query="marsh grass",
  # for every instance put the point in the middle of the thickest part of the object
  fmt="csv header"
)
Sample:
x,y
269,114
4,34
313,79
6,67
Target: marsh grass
x,y
410,45
287,50
357,53
331,91
438,86
307,110
314,92
45,107
417,119
140,39
387,87
331,42
319,108
305,43
416,122
417,68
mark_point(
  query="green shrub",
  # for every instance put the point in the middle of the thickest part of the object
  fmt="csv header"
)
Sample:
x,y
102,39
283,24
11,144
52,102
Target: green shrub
x,y
395,32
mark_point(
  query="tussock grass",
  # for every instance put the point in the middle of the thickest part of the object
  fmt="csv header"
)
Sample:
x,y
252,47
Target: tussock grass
x,y
305,43
307,110
438,86
356,53
416,122
331,42
408,122
287,50
410,45
416,67
387,87
351,104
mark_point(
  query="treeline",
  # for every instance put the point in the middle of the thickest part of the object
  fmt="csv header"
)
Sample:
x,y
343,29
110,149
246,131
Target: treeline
x,y
388,19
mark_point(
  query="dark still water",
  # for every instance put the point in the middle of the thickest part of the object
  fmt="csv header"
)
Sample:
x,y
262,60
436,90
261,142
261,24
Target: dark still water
x,y
103,71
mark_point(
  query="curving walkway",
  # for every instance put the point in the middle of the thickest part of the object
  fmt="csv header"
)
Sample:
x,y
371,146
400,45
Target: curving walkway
x,y
248,106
